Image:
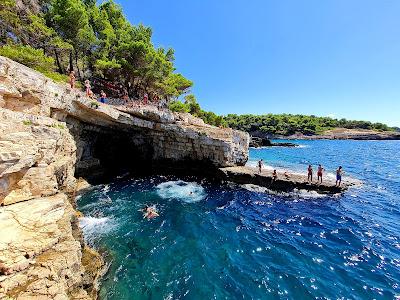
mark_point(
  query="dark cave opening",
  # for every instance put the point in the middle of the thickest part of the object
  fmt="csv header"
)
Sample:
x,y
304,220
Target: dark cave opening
x,y
104,154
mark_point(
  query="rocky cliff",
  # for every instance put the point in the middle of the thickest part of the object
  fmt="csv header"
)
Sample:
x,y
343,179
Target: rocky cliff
x,y
49,135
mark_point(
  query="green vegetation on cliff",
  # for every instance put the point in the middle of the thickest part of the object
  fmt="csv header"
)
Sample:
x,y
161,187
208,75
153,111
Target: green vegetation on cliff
x,y
190,105
96,41
287,124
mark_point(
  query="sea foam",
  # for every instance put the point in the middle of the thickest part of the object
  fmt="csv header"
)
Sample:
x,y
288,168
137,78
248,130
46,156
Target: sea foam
x,y
93,227
188,192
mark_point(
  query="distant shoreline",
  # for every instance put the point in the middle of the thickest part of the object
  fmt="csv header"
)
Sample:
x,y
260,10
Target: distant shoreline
x,y
335,134
346,134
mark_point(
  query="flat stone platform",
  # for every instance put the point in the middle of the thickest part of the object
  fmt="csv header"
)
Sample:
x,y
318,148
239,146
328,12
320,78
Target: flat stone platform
x,y
249,175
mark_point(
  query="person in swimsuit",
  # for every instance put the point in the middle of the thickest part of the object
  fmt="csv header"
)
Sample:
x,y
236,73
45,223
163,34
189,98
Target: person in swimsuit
x,y
91,95
103,97
260,164
339,173
274,176
72,79
150,212
310,172
319,173
88,88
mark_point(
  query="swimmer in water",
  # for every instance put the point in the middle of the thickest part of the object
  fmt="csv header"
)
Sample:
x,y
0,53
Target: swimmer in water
x,y
150,212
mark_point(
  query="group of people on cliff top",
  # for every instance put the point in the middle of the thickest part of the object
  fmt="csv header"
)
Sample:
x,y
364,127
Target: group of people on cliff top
x,y
103,96
320,171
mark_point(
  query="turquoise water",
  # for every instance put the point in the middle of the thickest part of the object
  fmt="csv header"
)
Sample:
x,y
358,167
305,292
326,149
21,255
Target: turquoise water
x,y
232,242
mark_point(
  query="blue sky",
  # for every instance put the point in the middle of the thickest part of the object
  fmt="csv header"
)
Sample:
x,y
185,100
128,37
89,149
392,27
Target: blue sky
x,y
336,58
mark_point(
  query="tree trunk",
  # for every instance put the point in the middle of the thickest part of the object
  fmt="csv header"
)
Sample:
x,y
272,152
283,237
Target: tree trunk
x,y
71,65
60,69
77,66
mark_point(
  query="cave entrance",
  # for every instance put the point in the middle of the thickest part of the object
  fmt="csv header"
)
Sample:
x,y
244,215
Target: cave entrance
x,y
103,153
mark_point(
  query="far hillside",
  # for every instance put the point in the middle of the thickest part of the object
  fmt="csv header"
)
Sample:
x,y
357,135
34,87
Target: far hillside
x,y
288,124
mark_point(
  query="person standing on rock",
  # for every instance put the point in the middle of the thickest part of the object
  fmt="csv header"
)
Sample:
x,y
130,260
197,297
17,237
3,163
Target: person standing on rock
x,y
310,173
145,98
260,164
88,88
103,97
339,173
274,176
72,79
319,173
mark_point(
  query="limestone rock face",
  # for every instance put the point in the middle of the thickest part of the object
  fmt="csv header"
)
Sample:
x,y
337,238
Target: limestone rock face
x,y
35,159
172,136
38,253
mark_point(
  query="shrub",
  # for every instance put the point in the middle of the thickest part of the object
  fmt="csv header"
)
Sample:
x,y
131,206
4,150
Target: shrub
x,y
28,56
94,104
178,106
33,58
57,77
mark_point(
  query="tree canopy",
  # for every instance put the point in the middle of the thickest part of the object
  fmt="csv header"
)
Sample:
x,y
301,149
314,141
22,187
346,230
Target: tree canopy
x,y
287,124
190,105
93,40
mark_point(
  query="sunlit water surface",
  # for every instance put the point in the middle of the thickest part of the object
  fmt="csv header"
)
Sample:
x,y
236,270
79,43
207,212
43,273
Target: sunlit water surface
x,y
231,242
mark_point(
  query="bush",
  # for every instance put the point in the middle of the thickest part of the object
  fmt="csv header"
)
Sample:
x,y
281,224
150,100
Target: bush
x,y
94,105
178,106
57,77
28,56
33,58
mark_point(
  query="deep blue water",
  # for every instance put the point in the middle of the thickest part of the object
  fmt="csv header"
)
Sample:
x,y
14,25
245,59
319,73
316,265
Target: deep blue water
x,y
229,242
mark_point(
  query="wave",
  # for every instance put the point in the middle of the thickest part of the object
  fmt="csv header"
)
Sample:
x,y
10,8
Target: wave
x,y
296,193
93,227
188,192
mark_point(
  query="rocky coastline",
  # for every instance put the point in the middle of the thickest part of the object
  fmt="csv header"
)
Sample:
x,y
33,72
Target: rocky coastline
x,y
283,182
51,135
54,140
258,142
261,138
347,134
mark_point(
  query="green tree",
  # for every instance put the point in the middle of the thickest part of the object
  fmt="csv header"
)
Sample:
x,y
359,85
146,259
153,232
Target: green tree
x,y
71,21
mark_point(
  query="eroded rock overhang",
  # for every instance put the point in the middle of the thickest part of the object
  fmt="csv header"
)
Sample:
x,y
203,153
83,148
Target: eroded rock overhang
x,y
109,136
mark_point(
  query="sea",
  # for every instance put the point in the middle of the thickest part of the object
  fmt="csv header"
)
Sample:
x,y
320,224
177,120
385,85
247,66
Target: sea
x,y
228,241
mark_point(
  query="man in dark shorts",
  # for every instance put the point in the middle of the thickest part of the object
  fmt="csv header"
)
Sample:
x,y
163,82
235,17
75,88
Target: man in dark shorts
x,y
319,173
103,97
260,164
339,173
310,172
